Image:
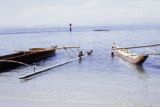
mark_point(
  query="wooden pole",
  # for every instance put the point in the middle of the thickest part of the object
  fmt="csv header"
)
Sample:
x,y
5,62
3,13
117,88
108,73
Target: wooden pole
x,y
12,61
70,25
65,47
143,46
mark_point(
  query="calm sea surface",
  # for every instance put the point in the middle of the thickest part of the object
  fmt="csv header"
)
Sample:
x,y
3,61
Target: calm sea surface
x,y
96,81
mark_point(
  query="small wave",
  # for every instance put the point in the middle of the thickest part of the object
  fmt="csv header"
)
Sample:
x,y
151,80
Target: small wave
x,y
1,33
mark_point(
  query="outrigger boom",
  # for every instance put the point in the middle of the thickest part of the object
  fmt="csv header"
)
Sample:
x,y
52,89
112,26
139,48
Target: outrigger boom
x,y
142,46
65,47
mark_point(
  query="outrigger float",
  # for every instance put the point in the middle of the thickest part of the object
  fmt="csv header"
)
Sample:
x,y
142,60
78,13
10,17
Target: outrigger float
x,y
132,57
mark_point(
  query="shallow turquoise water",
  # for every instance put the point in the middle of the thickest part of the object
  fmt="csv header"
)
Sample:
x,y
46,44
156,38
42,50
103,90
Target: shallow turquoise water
x,y
98,80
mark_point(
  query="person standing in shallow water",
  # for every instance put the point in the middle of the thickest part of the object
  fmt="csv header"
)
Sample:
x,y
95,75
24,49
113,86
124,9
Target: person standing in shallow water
x,y
80,54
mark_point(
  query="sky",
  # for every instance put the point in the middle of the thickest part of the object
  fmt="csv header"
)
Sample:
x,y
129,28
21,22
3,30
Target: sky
x,y
78,12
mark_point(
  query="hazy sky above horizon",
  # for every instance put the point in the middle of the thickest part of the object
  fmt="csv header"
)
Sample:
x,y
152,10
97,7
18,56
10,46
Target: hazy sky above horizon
x,y
78,12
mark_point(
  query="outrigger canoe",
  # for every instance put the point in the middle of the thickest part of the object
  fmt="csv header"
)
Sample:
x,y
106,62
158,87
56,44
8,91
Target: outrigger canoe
x,y
129,56
25,57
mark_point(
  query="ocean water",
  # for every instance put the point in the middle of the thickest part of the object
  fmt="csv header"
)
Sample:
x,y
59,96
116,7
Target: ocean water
x,y
96,81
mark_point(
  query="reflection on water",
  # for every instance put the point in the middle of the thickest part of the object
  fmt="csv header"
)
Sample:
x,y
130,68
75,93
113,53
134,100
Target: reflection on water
x,y
97,80
139,68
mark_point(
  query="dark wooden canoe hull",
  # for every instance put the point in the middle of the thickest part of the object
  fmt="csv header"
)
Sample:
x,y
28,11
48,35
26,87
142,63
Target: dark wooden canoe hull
x,y
27,57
